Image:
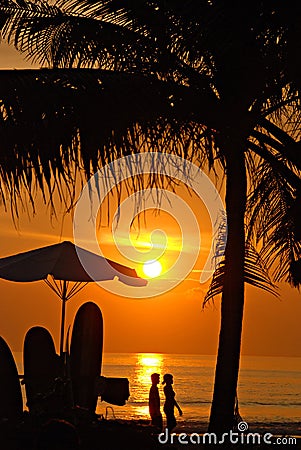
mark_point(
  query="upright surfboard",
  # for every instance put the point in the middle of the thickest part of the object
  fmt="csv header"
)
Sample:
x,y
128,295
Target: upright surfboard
x,y
86,355
11,403
42,370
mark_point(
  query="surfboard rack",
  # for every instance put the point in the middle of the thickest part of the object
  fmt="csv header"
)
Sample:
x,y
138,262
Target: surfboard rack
x,y
61,383
113,413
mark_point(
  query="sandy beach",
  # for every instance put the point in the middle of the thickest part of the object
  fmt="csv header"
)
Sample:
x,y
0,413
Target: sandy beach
x,y
288,434
194,435
138,435
275,428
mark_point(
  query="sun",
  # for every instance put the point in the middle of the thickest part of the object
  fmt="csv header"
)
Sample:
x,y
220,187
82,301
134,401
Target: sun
x,y
152,268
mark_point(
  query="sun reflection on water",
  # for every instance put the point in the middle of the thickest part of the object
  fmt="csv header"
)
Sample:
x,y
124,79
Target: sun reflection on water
x,y
146,364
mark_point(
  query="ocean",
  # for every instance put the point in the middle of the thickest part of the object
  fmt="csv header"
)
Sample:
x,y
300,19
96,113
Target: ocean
x,y
269,389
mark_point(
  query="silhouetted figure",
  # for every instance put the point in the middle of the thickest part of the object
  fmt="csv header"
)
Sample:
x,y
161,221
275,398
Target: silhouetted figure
x,y
154,403
170,402
58,435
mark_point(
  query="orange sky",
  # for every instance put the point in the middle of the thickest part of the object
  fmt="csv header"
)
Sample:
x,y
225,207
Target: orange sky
x,y
173,322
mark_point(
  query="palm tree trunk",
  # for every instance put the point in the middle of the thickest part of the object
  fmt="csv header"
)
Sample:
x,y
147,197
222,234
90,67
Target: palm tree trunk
x,y
227,366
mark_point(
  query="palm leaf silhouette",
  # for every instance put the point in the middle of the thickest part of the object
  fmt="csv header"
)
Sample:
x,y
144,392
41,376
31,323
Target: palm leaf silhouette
x,y
255,274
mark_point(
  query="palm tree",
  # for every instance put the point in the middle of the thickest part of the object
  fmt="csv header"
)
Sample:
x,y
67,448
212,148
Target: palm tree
x,y
210,80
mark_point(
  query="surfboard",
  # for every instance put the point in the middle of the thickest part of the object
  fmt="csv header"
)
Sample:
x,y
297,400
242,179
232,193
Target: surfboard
x,y
86,355
42,372
11,403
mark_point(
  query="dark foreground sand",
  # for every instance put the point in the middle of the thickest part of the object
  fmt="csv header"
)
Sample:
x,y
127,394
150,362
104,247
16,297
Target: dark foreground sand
x,y
134,435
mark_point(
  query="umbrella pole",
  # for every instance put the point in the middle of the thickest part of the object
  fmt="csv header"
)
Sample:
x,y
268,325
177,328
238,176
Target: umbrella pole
x,y
64,300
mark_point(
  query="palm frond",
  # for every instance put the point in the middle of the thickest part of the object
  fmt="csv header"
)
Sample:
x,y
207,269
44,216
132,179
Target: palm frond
x,y
273,210
255,274
49,35
52,120
273,221
295,273
280,147
88,34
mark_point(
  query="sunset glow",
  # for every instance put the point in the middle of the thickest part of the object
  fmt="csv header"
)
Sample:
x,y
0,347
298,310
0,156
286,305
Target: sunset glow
x,y
148,363
152,269
153,361
150,193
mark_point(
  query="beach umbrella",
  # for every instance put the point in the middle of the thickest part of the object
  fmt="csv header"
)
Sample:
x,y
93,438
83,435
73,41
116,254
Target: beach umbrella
x,y
59,265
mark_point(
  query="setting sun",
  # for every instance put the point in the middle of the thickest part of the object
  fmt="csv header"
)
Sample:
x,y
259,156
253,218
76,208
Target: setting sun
x,y
152,269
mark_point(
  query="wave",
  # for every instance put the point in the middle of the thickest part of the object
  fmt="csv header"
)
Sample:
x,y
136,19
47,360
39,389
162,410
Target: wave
x,y
195,402
279,404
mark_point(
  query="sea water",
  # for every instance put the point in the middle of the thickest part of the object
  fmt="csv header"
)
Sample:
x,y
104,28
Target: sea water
x,y
269,388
